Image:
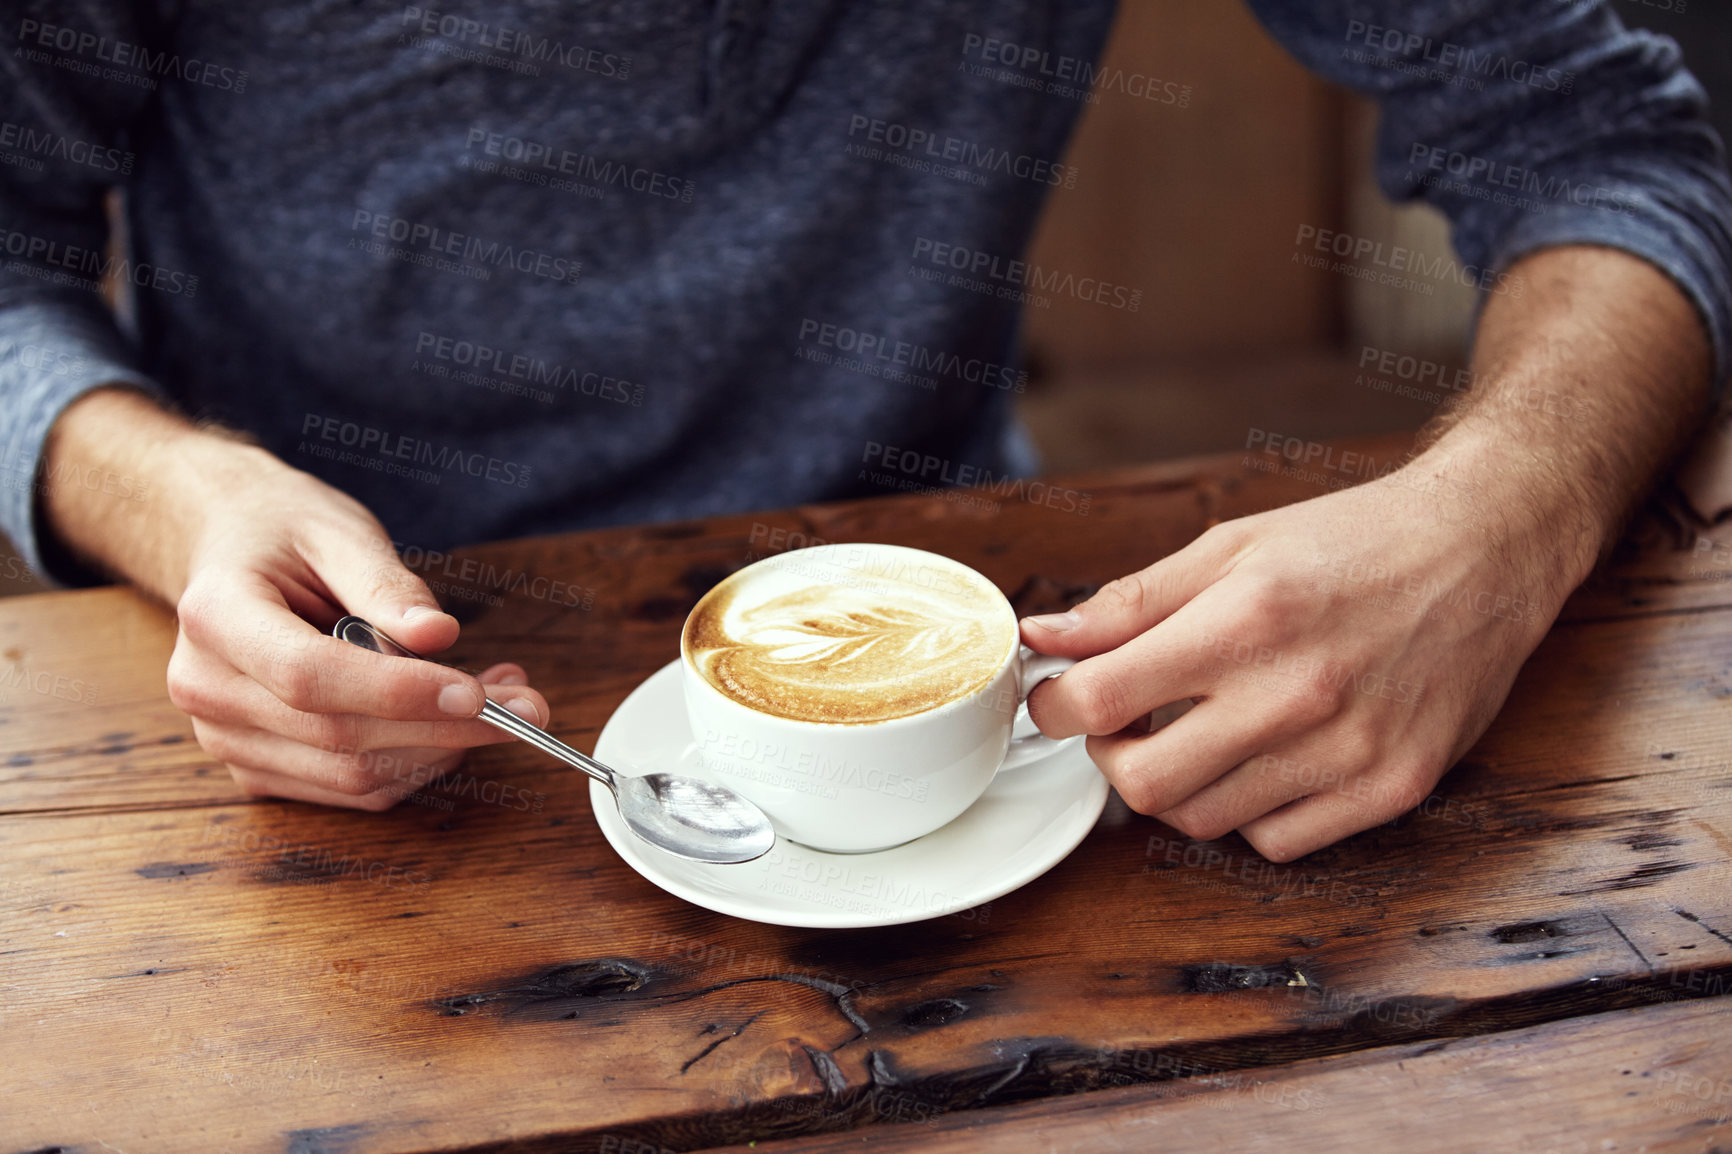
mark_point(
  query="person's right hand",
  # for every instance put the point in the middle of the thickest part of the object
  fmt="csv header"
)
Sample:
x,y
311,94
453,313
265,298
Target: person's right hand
x,y
293,711
260,560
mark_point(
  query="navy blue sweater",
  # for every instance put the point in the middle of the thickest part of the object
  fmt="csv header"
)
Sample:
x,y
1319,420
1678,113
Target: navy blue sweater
x,y
526,266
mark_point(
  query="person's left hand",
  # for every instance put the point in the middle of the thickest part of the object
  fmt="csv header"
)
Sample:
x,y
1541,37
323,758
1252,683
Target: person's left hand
x,y
1342,653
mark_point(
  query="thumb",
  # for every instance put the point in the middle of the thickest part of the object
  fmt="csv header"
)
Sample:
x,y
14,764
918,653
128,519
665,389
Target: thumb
x,y
365,575
1131,606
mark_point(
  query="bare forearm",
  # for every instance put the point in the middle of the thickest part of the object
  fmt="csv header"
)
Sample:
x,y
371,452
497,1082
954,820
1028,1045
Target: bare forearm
x,y
120,432
1584,387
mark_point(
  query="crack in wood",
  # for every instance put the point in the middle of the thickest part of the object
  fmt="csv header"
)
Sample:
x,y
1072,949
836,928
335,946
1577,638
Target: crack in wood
x,y
879,1072
150,973
1003,1080
1617,929
1690,917
596,978
934,1012
169,869
1636,879
324,1139
617,981
1225,977
840,994
1519,933
709,1049
830,1074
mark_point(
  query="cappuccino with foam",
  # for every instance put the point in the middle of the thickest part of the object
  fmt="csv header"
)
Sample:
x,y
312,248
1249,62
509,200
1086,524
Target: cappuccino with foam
x,y
850,635
836,687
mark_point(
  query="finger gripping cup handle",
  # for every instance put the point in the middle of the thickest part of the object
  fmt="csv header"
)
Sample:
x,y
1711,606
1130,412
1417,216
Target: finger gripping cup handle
x,y
1028,744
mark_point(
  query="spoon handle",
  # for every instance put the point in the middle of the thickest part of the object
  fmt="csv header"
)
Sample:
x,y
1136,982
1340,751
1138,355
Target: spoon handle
x,y
500,717
358,632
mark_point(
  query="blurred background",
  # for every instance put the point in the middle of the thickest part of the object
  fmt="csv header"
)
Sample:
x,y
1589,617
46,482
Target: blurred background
x,y
1198,207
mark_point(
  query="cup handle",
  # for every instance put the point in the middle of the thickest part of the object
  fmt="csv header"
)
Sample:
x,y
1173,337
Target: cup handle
x,y
1028,744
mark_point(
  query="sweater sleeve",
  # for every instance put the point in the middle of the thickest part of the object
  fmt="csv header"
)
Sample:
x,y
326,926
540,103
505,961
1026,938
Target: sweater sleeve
x,y
69,92
1534,123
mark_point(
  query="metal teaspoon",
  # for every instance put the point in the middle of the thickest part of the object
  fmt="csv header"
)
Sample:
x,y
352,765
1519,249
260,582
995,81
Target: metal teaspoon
x,y
693,819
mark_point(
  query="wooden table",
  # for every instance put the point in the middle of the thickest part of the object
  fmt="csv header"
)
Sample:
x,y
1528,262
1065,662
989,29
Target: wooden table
x,y
1538,957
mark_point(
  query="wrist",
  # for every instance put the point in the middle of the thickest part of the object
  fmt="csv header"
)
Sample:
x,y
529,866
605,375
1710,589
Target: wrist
x,y
206,479
1519,503
177,477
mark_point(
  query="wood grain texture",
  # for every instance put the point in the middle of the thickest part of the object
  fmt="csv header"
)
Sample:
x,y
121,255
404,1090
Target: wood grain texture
x,y
1657,1080
476,970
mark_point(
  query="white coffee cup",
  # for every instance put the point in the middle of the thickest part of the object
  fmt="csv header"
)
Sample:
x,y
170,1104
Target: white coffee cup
x,y
856,787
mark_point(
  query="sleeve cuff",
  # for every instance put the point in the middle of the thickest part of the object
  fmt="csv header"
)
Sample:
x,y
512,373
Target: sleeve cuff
x,y
46,364
1646,240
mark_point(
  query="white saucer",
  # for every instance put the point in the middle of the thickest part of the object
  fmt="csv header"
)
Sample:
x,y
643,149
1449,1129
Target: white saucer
x,y
1024,824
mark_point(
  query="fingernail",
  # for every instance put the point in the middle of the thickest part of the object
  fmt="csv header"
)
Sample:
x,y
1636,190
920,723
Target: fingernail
x,y
416,612
459,701
1056,622
524,708
512,679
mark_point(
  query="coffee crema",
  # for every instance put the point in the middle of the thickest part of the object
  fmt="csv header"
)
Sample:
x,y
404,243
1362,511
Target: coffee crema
x,y
818,639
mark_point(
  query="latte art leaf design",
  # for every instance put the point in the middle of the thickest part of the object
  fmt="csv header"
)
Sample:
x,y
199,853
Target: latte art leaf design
x,y
829,654
790,635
